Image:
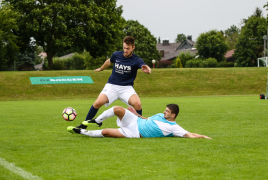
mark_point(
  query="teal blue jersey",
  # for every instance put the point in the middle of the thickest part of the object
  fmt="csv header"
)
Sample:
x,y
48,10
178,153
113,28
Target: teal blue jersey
x,y
158,126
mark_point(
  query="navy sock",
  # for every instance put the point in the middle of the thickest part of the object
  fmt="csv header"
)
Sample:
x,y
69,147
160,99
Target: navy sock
x,y
139,112
91,113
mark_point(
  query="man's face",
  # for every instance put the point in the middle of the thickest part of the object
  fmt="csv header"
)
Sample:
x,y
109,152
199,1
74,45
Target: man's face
x,y
128,49
168,115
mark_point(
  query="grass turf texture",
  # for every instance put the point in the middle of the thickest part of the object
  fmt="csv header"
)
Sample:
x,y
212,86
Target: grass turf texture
x,y
34,137
173,82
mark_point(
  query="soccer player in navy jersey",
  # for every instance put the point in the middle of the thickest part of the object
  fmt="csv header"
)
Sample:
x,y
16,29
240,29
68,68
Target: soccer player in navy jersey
x,y
133,125
120,83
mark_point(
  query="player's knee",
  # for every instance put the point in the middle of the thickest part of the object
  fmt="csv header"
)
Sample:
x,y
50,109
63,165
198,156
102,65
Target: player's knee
x,y
118,110
137,105
97,104
105,132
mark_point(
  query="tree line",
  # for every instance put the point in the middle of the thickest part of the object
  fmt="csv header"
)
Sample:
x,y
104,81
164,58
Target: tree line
x,y
248,43
95,27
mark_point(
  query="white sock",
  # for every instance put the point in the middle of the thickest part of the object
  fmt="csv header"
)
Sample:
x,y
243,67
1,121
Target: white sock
x,y
94,133
106,114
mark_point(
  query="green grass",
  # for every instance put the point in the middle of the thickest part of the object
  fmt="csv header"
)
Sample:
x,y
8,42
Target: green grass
x,y
173,82
34,137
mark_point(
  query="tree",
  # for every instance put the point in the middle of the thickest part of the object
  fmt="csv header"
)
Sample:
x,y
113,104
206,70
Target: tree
x,y
231,36
145,42
178,62
250,42
180,38
159,40
184,57
55,25
26,60
211,45
8,40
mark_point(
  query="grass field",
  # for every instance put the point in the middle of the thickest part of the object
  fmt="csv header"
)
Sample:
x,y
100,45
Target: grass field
x,y
178,82
34,138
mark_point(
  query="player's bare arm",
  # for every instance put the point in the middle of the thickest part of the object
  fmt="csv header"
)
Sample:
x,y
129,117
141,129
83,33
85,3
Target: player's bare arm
x,y
194,135
131,109
146,69
106,64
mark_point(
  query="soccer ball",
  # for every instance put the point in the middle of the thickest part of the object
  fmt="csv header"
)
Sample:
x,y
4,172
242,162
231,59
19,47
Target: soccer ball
x,y
69,114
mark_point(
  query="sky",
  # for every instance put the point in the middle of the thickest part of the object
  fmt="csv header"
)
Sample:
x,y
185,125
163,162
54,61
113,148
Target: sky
x,y
167,18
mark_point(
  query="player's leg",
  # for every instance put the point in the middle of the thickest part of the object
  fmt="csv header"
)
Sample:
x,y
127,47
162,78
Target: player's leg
x,y
106,97
113,111
130,97
101,100
125,119
135,102
112,133
97,133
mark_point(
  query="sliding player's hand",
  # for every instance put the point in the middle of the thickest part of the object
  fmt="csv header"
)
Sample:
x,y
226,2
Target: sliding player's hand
x,y
131,109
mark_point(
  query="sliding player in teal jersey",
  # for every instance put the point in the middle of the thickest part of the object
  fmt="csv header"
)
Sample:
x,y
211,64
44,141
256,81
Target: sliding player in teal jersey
x,y
133,125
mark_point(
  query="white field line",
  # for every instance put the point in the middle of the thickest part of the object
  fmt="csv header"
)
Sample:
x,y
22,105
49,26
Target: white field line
x,y
18,170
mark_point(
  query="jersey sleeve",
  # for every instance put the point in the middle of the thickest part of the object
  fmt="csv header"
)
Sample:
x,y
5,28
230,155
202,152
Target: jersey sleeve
x,y
141,62
178,131
112,59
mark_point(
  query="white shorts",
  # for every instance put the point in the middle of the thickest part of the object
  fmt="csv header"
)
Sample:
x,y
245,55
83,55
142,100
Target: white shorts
x,y
129,125
114,92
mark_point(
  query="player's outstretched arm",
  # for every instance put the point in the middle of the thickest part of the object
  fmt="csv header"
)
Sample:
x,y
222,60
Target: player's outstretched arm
x,y
194,135
131,109
106,64
146,69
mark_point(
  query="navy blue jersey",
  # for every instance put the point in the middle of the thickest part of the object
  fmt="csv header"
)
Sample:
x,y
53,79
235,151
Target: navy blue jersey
x,y
124,69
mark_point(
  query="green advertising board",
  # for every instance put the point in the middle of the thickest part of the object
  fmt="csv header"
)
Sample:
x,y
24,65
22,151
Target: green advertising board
x,y
62,80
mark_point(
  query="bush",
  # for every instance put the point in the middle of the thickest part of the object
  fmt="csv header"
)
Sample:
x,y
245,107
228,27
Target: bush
x,y
199,63
225,64
172,66
212,62
189,63
177,62
58,64
163,64
205,64
78,61
93,63
184,57
222,64
230,64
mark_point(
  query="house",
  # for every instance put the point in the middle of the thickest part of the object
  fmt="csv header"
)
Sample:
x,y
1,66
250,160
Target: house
x,y
43,55
67,56
229,56
169,51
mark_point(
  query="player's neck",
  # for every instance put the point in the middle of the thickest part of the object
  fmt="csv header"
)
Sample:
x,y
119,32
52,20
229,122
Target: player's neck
x,y
171,120
129,55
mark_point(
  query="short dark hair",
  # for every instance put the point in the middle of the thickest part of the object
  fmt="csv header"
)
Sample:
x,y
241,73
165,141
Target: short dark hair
x,y
129,40
174,108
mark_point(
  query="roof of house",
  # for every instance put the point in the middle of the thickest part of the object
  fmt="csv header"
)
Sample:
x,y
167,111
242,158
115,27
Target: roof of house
x,y
67,56
167,48
229,53
188,42
43,54
172,50
174,54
